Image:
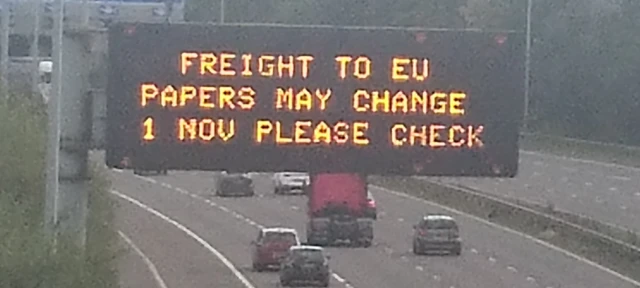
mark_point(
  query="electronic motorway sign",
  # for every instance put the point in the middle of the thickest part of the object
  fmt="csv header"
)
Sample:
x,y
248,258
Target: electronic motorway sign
x,y
274,98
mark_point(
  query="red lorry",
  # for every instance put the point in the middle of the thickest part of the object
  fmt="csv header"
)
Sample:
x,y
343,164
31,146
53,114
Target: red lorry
x,y
337,209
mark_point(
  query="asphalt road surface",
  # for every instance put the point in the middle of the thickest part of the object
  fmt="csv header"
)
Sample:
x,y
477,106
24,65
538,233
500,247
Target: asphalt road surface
x,y
492,256
602,191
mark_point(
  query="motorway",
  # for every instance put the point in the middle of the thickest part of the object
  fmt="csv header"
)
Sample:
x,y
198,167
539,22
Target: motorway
x,y
602,191
198,240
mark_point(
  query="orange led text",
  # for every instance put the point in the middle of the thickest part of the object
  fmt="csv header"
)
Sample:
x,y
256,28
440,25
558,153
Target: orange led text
x,y
421,102
208,97
311,132
206,129
436,136
227,64
405,69
359,67
303,99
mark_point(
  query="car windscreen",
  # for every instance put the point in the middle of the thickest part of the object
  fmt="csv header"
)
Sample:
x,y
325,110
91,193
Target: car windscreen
x,y
308,255
280,237
439,224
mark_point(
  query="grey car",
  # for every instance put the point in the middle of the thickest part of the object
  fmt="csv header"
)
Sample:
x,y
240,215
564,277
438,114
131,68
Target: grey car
x,y
305,265
437,233
234,185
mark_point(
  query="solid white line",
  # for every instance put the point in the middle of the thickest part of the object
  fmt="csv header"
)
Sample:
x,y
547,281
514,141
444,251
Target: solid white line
x,y
584,161
150,265
191,234
491,224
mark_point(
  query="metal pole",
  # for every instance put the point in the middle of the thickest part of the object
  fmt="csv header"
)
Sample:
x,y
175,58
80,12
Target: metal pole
x,y
35,49
4,46
53,141
221,11
527,66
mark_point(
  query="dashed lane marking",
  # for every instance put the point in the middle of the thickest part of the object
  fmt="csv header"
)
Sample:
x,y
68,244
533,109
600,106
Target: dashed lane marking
x,y
227,210
152,267
514,232
191,234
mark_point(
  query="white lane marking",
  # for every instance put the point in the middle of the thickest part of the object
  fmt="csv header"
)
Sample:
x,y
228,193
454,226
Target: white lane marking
x,y
492,260
574,196
337,277
613,189
436,277
166,185
191,234
512,269
583,161
117,170
637,194
151,180
400,220
621,178
588,184
295,208
152,267
227,210
531,279
419,268
623,207
474,251
506,229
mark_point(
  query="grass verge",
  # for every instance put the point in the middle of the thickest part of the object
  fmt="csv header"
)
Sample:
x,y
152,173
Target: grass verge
x,y
26,258
616,154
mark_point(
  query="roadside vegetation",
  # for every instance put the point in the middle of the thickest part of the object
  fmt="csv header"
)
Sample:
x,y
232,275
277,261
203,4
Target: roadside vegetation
x,y
584,54
26,258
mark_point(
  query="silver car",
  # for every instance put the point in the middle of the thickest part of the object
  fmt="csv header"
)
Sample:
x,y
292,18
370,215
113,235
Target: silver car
x,y
290,182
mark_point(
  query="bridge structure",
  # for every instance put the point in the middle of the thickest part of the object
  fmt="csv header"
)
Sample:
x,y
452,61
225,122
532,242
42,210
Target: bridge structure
x,y
81,115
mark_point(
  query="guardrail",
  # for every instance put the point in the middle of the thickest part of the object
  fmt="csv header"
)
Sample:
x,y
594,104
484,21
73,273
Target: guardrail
x,y
617,255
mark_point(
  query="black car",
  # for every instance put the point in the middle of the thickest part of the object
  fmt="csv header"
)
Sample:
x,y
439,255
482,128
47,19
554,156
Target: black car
x,y
437,233
234,185
305,265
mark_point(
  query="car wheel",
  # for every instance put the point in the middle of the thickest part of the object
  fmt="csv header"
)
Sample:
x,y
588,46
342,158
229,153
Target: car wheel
x,y
257,267
366,243
457,251
325,282
284,283
416,249
276,191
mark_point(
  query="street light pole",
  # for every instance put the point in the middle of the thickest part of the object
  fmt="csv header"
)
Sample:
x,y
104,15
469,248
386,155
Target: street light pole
x,y
35,46
221,11
527,66
53,139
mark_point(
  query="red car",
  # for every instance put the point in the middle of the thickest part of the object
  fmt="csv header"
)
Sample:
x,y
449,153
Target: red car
x,y
272,246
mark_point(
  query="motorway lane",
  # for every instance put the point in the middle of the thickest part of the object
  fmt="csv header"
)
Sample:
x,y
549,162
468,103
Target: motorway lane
x,y
494,258
179,260
604,192
228,232
133,271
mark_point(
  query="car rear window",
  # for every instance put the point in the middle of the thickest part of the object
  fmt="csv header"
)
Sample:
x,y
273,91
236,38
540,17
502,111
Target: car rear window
x,y
309,255
439,224
280,237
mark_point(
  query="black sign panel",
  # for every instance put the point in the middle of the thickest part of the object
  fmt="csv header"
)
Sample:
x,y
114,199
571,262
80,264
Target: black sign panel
x,y
273,98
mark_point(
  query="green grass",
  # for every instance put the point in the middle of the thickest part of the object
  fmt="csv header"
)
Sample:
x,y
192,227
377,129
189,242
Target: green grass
x,y
582,150
26,258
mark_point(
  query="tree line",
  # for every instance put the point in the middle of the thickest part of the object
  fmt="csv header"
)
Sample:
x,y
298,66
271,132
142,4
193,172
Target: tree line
x,y
585,54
